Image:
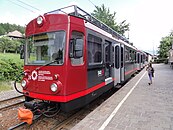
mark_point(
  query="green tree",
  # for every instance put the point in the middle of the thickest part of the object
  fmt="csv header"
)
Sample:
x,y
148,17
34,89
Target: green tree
x,y
2,30
15,46
5,44
165,45
103,14
6,28
123,27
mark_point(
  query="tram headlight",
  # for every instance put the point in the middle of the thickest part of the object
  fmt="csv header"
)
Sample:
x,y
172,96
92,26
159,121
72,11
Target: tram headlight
x,y
23,83
40,20
54,87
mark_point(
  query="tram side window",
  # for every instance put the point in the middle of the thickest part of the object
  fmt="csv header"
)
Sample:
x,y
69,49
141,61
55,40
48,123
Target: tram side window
x,y
94,50
130,55
138,58
127,54
122,57
76,49
117,57
141,58
135,57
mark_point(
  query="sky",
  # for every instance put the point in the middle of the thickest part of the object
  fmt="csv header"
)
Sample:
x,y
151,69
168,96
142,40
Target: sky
x,y
150,20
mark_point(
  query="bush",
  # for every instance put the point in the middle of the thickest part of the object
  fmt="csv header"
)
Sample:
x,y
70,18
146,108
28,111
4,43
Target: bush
x,y
162,60
9,69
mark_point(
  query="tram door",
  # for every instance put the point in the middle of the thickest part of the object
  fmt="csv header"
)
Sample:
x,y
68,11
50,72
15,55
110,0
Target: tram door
x,y
117,64
107,48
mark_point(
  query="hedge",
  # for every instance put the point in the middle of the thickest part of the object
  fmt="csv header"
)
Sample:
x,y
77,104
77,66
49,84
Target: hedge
x,y
162,60
10,69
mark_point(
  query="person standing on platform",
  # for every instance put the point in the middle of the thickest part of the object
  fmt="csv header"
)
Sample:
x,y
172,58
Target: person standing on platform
x,y
150,72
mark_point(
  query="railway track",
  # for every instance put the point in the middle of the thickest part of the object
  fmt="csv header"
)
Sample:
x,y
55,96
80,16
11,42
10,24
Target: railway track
x,y
10,102
66,121
62,121
18,126
70,121
79,114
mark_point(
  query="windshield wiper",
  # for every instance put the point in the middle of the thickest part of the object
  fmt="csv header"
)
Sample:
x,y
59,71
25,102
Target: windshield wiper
x,y
46,64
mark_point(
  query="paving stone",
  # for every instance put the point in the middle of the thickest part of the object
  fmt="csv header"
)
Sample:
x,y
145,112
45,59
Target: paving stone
x,y
146,108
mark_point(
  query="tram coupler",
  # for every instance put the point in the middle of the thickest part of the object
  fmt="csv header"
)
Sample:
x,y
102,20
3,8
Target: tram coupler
x,y
35,105
30,105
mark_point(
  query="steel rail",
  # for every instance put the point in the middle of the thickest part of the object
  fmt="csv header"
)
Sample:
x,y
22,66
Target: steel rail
x,y
65,122
6,103
11,98
24,123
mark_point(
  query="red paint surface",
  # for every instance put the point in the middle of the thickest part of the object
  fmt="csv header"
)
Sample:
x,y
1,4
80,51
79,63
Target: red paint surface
x,y
72,78
65,98
53,22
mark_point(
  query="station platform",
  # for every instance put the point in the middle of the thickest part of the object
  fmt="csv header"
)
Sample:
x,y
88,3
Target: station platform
x,y
137,105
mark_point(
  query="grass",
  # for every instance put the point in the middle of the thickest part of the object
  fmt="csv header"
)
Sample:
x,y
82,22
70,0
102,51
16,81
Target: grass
x,y
12,56
5,86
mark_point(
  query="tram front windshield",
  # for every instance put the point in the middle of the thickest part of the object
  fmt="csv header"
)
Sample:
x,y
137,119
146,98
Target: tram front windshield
x,y
44,48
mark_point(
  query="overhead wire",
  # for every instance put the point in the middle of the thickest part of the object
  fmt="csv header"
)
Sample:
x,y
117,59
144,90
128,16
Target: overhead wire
x,y
92,3
24,6
28,5
21,6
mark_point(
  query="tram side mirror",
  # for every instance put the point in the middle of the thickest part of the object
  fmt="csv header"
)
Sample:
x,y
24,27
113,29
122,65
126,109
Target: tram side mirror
x,y
22,51
76,48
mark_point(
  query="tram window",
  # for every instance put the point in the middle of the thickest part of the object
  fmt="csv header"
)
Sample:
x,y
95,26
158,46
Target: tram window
x,y
138,58
122,57
141,59
94,50
107,52
46,47
135,56
117,57
127,54
77,54
130,55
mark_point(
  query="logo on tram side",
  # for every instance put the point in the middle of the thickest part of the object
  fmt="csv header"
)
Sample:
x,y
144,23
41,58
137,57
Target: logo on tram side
x,y
34,75
41,75
100,73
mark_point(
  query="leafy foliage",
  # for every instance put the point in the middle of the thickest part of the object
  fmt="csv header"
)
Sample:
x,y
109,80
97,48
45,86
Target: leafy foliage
x,y
102,13
9,70
5,43
10,67
165,45
6,28
9,45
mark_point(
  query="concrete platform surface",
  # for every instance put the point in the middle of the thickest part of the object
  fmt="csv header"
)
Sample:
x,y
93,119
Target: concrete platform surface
x,y
137,105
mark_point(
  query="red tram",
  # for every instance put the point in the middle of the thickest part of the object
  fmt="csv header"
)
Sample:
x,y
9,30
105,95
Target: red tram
x,y
71,58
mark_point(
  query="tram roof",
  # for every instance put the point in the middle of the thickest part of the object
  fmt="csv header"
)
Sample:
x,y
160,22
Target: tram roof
x,y
74,10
